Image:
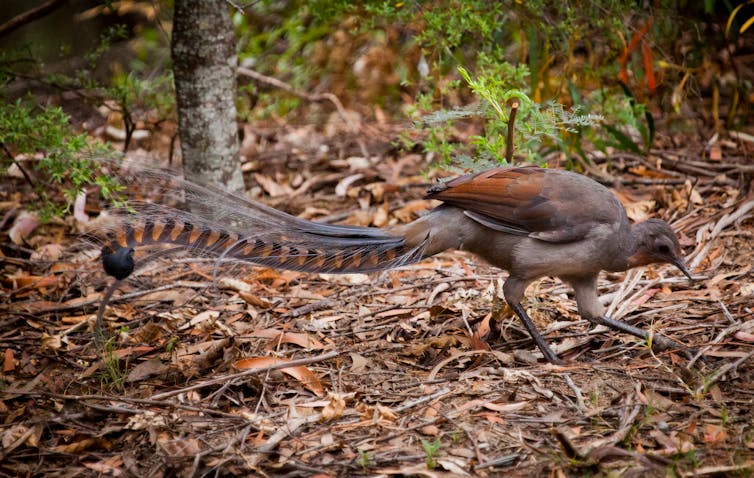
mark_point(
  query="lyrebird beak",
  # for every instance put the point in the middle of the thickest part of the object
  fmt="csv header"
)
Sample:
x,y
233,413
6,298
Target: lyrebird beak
x,y
678,262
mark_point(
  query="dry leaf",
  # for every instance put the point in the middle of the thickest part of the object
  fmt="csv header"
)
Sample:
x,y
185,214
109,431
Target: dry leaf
x,y
271,187
386,413
715,153
186,447
342,188
359,362
648,294
338,121
233,284
478,343
491,417
380,216
21,279
252,299
48,252
457,469
144,421
413,470
658,401
51,342
207,315
744,336
24,225
15,433
505,407
77,446
411,209
639,211
307,378
483,329
9,362
714,433
108,466
354,279
278,336
79,208
147,369
335,407
357,162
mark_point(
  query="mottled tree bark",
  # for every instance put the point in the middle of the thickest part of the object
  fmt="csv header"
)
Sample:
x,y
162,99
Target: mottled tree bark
x,y
204,67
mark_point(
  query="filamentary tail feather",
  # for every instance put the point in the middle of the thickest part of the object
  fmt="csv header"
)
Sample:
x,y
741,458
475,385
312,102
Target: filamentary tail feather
x,y
233,227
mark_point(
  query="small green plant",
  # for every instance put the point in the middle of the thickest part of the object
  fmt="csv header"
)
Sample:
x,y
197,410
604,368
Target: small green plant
x,y
724,417
44,138
707,382
170,345
365,460
692,459
113,372
430,450
649,410
594,398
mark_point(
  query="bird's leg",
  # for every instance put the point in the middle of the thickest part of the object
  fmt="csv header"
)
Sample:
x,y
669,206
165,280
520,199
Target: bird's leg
x,y
549,355
585,290
514,289
659,342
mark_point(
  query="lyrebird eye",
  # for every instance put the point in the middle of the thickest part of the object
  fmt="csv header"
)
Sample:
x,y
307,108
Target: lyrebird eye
x,y
664,249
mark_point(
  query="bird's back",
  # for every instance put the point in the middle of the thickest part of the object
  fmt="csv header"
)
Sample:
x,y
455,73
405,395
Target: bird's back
x,y
547,204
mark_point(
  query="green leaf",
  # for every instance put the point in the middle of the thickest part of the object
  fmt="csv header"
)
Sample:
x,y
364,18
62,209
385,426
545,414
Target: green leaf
x,y
624,141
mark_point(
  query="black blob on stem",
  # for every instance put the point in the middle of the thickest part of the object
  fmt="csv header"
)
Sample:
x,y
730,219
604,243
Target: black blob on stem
x,y
119,264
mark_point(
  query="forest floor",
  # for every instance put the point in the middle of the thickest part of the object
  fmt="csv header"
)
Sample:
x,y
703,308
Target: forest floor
x,y
418,371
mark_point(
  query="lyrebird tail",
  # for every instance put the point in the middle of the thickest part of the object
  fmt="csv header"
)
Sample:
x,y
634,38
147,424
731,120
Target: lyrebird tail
x,y
233,227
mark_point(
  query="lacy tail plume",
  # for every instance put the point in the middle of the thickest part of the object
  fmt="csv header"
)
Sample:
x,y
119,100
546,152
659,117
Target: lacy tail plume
x,y
316,247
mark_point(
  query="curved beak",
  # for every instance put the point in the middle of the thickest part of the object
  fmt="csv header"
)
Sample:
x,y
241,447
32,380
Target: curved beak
x,y
678,262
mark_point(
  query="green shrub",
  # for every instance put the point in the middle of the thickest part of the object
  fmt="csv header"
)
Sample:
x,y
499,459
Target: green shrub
x,y
61,158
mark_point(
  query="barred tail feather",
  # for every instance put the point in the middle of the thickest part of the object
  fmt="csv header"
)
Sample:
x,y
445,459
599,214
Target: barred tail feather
x,y
316,248
226,225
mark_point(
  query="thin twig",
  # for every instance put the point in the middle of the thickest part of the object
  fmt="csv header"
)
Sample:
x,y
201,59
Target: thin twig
x,y
743,210
30,15
307,96
576,391
291,426
247,373
720,336
509,147
718,375
139,401
420,400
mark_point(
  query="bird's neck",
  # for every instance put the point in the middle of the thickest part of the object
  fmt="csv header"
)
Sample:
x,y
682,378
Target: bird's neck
x,y
632,254
626,247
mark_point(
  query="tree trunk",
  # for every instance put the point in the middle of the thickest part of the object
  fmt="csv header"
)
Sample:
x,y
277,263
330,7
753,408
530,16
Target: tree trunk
x,y
204,67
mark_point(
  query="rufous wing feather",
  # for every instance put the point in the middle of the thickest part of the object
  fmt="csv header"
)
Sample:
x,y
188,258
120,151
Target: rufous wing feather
x,y
540,203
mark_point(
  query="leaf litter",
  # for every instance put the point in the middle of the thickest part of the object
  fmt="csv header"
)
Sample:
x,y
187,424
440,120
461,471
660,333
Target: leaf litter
x,y
267,372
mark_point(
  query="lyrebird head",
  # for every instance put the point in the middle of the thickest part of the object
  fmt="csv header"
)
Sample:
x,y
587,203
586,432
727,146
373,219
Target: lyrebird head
x,y
655,242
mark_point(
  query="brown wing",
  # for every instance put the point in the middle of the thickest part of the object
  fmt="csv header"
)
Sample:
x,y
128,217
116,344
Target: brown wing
x,y
547,204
